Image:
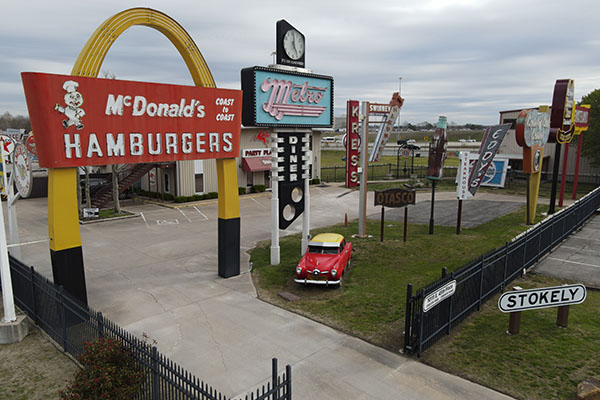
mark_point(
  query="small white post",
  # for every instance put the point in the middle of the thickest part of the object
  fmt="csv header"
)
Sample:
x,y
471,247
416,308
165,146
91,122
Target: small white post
x,y
8,300
306,213
275,251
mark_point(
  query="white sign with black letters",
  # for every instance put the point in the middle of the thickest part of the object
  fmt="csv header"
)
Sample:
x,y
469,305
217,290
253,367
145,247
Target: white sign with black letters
x,y
531,299
441,294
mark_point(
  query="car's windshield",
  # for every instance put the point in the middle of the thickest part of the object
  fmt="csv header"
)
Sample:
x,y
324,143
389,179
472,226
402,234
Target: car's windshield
x,y
322,250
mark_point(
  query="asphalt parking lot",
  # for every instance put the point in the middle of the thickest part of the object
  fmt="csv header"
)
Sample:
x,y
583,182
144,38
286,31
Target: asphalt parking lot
x,y
157,274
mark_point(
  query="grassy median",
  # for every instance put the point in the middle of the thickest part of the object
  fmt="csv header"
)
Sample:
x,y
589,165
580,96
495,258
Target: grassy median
x,y
371,302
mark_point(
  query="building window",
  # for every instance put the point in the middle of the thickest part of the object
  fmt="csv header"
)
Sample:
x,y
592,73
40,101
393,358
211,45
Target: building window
x,y
199,180
249,178
167,189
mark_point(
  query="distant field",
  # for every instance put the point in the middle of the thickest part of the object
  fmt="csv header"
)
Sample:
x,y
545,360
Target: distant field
x,y
453,136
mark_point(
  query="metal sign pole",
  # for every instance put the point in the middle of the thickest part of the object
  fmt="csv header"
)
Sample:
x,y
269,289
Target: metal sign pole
x,y
432,205
275,254
459,216
362,206
405,221
8,300
13,227
306,213
382,223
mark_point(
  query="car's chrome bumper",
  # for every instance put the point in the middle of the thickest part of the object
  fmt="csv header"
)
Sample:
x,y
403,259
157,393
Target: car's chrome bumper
x,y
305,281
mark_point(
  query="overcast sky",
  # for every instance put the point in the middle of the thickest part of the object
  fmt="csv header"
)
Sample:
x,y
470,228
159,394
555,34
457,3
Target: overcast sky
x,y
467,59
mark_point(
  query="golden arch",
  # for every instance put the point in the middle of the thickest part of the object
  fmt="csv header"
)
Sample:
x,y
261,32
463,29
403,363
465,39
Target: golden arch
x,y
63,219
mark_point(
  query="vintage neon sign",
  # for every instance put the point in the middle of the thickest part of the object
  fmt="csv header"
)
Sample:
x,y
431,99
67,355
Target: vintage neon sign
x,y
490,144
273,97
352,143
108,121
532,133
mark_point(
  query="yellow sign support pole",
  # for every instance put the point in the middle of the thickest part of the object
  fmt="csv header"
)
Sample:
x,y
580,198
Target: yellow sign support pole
x,y
63,219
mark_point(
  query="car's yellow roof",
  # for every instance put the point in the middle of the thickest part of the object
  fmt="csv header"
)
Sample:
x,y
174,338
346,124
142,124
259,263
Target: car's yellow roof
x,y
328,238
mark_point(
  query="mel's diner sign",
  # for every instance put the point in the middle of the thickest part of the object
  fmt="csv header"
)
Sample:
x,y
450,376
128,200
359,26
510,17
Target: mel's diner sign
x,y
89,121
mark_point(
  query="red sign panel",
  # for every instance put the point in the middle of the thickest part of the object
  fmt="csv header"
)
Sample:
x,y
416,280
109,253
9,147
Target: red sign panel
x,y
352,143
81,121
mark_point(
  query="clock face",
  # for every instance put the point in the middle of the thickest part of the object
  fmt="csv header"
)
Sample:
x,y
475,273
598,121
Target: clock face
x,y
293,44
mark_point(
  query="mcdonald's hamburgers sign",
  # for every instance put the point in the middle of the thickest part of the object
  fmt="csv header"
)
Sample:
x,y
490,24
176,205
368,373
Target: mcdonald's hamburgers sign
x,y
81,121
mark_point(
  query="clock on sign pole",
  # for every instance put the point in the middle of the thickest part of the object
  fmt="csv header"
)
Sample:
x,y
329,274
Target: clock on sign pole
x,y
290,45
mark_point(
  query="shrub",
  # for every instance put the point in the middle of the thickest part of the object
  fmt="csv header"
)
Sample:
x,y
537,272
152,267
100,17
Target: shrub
x,y
315,181
241,190
110,372
258,188
211,195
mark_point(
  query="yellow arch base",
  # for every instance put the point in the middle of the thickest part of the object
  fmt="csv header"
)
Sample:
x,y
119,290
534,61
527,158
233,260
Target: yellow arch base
x,y
63,219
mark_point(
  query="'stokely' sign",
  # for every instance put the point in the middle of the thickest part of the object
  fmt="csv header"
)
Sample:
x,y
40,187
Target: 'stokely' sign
x,y
274,97
89,121
395,197
531,299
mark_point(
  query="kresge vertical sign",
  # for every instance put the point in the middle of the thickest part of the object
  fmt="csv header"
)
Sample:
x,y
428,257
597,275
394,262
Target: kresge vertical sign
x,y
352,144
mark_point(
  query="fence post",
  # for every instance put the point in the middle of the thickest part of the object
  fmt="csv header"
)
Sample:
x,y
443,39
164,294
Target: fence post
x,y
450,307
407,316
288,383
481,282
274,379
539,233
154,370
505,267
444,272
525,250
421,314
63,322
33,306
100,320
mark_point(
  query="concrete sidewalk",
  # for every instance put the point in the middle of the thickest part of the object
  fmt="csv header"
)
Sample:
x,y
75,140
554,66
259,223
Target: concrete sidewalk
x,y
157,274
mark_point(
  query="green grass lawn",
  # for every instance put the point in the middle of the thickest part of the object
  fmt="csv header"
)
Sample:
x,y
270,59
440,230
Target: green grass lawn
x,y
541,362
371,302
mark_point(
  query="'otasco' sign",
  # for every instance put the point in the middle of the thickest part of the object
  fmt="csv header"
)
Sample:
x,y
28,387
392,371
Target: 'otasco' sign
x,y
81,121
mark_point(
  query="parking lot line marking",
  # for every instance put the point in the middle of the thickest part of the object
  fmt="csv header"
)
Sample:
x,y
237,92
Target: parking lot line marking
x,y
580,249
186,217
144,218
585,238
23,244
201,213
173,221
573,262
254,200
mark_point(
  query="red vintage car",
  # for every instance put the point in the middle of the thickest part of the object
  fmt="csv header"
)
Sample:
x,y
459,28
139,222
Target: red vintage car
x,y
325,261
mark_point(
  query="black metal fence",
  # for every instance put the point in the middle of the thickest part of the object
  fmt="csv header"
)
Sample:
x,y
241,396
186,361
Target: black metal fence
x,y
491,273
383,171
71,324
